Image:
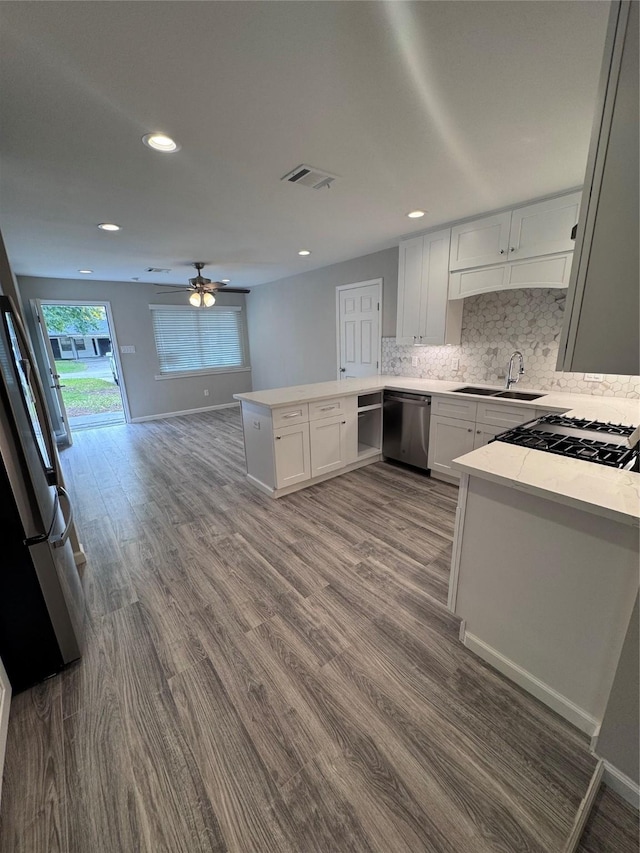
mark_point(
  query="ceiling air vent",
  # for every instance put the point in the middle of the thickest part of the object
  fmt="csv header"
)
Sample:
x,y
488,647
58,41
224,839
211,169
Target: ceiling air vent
x,y
156,270
309,176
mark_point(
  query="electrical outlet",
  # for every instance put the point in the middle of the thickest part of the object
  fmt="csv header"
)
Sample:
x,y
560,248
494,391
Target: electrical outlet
x,y
256,424
594,377
206,392
414,361
455,363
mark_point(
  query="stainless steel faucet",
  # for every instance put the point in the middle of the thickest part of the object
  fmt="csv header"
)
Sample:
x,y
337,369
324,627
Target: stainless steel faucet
x,y
511,380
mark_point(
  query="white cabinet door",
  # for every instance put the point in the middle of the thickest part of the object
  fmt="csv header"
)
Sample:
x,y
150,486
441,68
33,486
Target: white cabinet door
x,y
5,702
440,322
409,291
544,228
329,446
481,242
484,433
292,456
448,439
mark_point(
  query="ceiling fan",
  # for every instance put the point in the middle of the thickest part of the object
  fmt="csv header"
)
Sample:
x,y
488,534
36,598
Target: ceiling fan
x,y
203,290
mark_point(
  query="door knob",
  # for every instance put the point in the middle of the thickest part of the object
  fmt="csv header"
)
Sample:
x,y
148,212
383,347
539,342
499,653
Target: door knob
x,y
343,370
502,251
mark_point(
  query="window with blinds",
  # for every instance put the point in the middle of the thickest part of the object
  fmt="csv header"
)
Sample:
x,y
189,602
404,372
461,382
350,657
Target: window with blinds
x,y
199,339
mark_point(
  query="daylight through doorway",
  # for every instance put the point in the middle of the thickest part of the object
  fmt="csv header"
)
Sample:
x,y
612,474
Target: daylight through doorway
x,y
80,344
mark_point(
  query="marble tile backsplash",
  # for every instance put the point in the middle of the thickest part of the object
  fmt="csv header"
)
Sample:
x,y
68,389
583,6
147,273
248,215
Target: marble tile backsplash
x,y
493,325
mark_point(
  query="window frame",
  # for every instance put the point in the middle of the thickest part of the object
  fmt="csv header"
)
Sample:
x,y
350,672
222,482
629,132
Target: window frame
x,y
203,371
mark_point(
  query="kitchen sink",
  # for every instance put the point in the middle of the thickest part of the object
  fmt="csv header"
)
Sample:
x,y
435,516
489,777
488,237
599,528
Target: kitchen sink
x,y
518,395
482,392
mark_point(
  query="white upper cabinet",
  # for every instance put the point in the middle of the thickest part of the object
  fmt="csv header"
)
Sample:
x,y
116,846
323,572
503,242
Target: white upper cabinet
x,y
530,246
601,332
409,290
481,242
543,228
425,316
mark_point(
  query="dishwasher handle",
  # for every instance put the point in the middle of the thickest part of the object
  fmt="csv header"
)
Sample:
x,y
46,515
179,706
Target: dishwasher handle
x,y
410,399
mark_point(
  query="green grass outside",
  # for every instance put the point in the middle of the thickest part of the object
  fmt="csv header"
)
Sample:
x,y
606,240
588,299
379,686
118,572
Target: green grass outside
x,y
90,397
70,366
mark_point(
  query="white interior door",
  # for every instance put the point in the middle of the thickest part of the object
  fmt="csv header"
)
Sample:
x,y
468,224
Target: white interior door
x,y
5,702
53,377
359,343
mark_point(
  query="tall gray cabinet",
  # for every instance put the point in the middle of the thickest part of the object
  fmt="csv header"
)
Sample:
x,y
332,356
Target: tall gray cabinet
x,y
601,328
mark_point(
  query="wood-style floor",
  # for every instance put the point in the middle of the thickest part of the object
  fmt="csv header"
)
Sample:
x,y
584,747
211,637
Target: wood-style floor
x,y
268,675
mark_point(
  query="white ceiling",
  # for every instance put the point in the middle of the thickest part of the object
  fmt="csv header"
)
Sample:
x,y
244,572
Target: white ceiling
x,y
454,107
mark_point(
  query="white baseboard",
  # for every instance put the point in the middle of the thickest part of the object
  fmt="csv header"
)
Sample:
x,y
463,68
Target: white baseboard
x,y
554,700
584,810
5,705
80,557
183,412
622,784
312,481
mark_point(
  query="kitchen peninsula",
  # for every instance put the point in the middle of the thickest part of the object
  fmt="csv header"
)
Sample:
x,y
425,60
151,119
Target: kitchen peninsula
x,y
545,561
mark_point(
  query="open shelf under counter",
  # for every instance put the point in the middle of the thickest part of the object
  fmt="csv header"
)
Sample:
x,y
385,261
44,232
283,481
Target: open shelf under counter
x,y
367,402
365,450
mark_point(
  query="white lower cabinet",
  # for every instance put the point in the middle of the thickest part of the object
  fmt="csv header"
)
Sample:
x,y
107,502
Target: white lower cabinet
x,y
448,439
292,455
484,433
474,426
329,447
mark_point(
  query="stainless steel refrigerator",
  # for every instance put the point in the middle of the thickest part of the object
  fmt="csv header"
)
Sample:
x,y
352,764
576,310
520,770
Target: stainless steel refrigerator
x,y
41,598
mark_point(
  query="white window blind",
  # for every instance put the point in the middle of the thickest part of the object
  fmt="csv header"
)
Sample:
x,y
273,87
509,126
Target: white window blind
x,y
206,339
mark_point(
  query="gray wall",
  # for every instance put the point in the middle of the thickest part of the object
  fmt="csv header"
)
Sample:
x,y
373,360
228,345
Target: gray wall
x,y
292,322
132,319
619,741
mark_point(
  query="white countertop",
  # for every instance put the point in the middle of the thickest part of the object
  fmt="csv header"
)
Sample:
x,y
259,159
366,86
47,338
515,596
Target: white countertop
x,y
295,394
585,485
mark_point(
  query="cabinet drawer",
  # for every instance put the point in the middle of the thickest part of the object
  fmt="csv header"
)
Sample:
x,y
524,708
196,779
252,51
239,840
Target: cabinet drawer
x,y
289,415
495,414
327,408
453,407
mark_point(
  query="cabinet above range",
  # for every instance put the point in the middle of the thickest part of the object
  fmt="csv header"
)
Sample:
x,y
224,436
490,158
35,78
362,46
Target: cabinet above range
x,y
530,246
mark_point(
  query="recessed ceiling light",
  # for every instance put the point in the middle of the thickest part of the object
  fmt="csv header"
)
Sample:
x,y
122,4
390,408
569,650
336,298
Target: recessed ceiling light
x,y
304,252
225,280
415,214
160,142
85,272
109,226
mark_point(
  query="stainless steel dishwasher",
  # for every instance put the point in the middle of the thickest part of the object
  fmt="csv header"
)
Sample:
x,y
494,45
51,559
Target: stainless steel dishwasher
x,y
405,427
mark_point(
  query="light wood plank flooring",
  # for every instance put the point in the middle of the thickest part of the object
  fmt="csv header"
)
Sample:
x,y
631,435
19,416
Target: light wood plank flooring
x,y
268,675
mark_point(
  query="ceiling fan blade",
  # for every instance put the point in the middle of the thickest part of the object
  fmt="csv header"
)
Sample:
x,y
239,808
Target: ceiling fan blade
x,y
232,290
175,290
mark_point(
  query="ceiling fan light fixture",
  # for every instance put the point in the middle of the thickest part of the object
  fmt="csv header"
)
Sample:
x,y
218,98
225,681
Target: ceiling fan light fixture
x,y
160,142
196,299
208,299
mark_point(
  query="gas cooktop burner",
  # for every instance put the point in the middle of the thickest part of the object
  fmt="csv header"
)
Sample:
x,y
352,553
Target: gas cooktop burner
x,y
592,441
592,426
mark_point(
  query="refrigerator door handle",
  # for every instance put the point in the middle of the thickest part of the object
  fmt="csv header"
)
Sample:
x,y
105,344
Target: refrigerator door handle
x,y
33,379
58,541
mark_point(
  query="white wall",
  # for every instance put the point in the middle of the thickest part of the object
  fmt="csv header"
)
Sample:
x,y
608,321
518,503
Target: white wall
x,y
132,319
292,322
